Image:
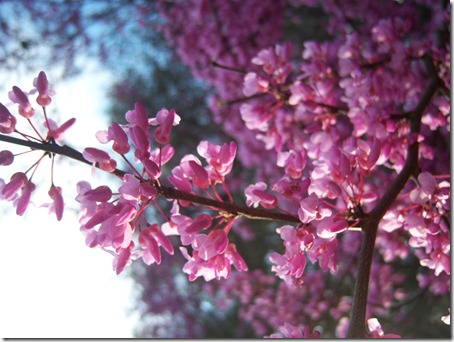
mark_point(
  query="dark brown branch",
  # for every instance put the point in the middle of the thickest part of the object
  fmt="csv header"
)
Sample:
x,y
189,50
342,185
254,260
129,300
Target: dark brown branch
x,y
168,192
357,327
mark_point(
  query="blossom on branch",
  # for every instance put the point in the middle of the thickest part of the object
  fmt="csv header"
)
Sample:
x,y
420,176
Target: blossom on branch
x,y
19,97
7,120
255,195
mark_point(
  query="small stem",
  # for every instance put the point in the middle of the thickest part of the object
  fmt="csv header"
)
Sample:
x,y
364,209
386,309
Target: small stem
x,y
225,67
34,128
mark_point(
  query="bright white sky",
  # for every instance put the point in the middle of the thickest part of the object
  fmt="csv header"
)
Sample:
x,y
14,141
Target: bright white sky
x,y
53,285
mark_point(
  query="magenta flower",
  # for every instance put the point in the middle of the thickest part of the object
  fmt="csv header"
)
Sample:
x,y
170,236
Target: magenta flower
x,y
118,135
235,258
429,190
291,265
220,158
182,223
24,199
210,245
275,61
323,251
17,182
6,157
138,117
140,140
100,194
192,169
19,97
151,168
312,209
150,239
42,85
123,258
165,119
201,222
254,84
104,161
293,161
255,116
215,268
56,131
7,120
255,195
328,227
58,204
179,180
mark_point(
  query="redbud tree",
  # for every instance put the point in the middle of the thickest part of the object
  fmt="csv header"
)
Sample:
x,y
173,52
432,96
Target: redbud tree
x,y
343,144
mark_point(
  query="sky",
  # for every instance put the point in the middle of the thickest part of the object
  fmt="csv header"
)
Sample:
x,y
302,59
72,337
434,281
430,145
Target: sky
x,y
53,285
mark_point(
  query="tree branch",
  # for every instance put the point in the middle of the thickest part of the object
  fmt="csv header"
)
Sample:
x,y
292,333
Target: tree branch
x,y
357,327
168,192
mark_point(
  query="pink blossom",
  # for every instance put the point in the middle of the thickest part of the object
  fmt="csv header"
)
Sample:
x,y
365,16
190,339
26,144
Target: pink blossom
x,y
24,199
150,239
123,258
255,116
313,209
7,120
56,131
329,227
427,188
116,230
201,222
235,258
215,268
41,84
165,119
25,107
291,265
255,195
182,222
210,245
254,84
291,188
293,161
6,157
88,207
100,194
191,167
140,141
220,158
116,133
95,155
275,61
162,154
151,168
179,180
323,251
58,204
138,117
17,182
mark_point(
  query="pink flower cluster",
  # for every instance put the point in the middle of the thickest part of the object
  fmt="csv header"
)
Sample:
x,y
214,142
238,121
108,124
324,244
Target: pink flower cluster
x,y
20,187
110,219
